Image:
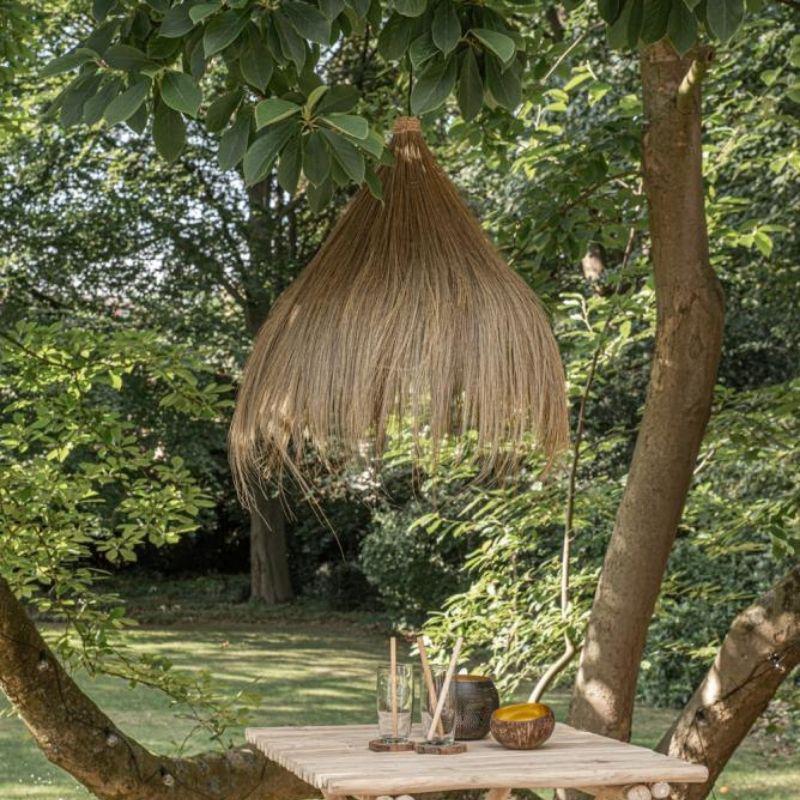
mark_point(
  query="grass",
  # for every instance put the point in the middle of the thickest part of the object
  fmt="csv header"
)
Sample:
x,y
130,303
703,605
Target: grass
x,y
306,672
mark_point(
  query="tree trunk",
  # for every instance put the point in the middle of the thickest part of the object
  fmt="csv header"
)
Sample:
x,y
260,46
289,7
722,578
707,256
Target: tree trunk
x,y
77,736
269,566
758,654
688,342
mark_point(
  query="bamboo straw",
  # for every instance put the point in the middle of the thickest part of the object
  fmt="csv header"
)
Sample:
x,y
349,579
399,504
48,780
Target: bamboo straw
x,y
445,688
393,678
433,701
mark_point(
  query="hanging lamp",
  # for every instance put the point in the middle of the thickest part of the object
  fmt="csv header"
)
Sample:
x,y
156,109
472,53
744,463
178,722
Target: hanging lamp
x,y
407,312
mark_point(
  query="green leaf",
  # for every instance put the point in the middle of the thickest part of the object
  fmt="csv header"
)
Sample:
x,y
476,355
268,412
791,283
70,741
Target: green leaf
x,y
320,196
127,104
219,112
347,156
422,50
137,122
609,9
95,106
724,17
100,8
69,61
78,93
222,31
179,91
395,37
433,86
308,21
504,86
655,18
273,110
199,12
160,47
338,98
350,124
498,43
316,158
169,132
177,21
127,58
410,8
373,183
446,27
290,165
332,8
373,144
293,45
625,30
233,144
255,62
261,155
315,95
682,27
470,86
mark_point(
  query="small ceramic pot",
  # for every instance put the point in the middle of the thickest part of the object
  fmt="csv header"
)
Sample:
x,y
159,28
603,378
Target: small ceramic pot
x,y
523,726
476,700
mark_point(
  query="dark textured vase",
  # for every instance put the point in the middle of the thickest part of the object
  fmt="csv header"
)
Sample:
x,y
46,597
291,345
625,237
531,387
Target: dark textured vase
x,y
476,700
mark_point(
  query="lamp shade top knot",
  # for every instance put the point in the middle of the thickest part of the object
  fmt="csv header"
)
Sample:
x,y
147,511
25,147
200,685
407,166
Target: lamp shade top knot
x,y
406,315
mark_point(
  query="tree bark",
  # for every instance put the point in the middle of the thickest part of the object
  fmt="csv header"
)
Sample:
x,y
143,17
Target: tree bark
x,y
760,651
269,566
77,736
689,307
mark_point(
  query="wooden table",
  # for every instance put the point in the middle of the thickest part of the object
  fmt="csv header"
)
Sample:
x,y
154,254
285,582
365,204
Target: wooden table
x,y
335,759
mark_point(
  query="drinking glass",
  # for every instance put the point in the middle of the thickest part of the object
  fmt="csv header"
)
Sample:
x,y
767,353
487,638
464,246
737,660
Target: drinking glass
x,y
395,727
444,733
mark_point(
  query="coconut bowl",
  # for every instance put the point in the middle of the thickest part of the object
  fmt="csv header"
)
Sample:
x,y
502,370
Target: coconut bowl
x,y
523,726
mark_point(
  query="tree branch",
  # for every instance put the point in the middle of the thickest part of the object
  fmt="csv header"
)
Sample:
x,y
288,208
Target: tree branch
x,y
77,736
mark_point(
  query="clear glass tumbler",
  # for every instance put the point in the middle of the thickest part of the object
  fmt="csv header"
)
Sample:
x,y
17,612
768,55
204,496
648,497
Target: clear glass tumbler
x,y
395,703
444,732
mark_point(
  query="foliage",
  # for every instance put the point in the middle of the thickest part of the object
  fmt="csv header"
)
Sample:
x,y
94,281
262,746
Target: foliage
x,y
80,482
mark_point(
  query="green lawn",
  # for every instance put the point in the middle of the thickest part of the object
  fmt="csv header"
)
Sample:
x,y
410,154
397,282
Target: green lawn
x,y
305,673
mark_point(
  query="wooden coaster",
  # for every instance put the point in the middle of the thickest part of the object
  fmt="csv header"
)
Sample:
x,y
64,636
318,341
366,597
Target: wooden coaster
x,y
425,748
380,746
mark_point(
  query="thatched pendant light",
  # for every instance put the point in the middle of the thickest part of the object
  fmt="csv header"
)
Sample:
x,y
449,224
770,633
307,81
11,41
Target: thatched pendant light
x,y
406,311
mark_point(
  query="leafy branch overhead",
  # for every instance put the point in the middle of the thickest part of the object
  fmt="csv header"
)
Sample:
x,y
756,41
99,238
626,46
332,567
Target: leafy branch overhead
x,y
254,71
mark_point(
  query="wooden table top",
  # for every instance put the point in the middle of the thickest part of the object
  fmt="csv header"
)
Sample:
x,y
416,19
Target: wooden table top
x,y
336,760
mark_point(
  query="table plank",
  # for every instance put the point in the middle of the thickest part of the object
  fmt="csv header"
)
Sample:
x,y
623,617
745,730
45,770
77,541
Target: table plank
x,y
336,760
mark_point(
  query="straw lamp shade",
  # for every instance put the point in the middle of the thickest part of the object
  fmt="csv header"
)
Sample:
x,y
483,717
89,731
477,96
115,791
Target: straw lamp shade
x,y
406,312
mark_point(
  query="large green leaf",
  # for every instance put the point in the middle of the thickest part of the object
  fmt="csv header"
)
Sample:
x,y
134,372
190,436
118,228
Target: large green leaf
x,y
422,50
169,132
320,196
609,9
95,106
233,144
219,112
346,155
255,61
470,86
505,86
433,86
350,124
655,18
395,37
446,28
292,44
177,21
308,21
261,154
80,91
724,17
682,27
179,91
498,43
410,8
316,158
332,8
273,110
69,61
222,31
339,98
127,104
125,57
625,30
202,10
290,165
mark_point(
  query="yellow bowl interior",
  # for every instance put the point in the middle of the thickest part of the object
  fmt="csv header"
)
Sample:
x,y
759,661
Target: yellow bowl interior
x,y
522,712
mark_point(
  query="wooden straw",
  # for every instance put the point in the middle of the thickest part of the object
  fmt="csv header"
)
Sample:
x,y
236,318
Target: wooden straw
x,y
393,669
433,701
445,688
